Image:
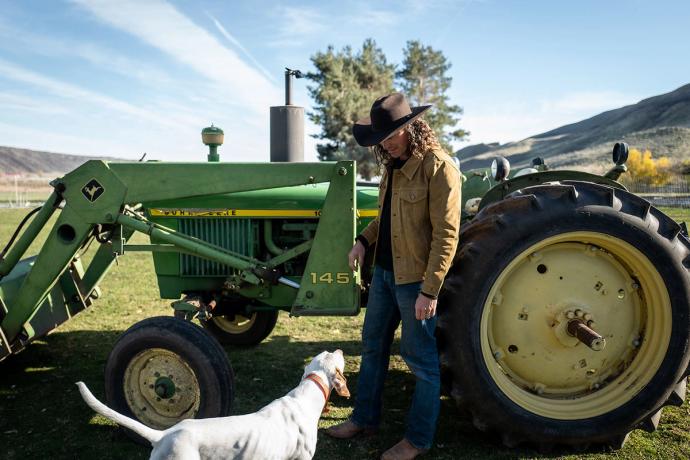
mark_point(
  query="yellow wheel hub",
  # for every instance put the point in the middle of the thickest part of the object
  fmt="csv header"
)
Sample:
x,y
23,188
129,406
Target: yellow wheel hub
x,y
160,388
607,284
238,325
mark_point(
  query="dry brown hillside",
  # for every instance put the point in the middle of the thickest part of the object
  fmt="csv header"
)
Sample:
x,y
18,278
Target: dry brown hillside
x,y
35,163
659,123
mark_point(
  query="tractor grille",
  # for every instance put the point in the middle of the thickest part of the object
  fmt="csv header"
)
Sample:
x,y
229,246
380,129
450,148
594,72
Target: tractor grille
x,y
237,235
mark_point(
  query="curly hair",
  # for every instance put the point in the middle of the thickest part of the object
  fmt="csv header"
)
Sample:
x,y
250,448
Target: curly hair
x,y
422,140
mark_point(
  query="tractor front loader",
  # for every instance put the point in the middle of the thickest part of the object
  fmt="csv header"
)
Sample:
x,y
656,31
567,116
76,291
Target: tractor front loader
x,y
189,371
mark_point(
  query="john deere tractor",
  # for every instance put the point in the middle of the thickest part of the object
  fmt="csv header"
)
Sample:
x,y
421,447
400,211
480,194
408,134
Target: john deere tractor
x,y
564,319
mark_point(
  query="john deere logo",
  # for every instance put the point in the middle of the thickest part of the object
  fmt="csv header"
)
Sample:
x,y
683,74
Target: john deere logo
x,y
92,190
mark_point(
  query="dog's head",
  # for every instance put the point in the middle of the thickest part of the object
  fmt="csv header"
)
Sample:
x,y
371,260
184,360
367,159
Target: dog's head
x,y
332,365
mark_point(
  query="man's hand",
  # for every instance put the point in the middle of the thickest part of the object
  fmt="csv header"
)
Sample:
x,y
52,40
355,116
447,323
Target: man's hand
x,y
424,307
356,256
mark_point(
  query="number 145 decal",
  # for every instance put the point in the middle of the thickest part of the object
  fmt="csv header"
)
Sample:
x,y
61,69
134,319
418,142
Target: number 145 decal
x,y
339,278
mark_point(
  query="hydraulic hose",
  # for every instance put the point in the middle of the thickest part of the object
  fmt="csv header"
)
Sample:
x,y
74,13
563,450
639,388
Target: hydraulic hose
x,y
19,229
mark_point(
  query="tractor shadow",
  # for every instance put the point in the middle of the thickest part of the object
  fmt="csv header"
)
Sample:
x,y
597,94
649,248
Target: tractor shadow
x,y
42,413
272,368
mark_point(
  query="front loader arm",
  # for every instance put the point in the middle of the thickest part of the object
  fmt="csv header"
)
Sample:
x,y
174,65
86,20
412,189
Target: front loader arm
x,y
95,196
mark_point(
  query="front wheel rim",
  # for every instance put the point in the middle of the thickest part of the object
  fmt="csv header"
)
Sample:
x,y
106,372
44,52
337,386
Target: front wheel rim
x,y
544,370
161,388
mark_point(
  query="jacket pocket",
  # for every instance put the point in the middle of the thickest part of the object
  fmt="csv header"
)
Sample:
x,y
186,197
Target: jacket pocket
x,y
413,195
414,213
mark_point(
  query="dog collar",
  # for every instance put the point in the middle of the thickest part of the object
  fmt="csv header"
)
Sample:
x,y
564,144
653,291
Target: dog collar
x,y
326,390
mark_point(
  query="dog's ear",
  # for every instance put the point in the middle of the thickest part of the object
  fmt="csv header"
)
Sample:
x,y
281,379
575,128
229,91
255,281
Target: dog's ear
x,y
340,384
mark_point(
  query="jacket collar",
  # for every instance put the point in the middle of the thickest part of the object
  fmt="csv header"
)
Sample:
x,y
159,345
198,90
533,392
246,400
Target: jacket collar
x,y
410,166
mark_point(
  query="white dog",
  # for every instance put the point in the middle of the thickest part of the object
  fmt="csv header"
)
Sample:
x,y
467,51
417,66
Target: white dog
x,y
284,429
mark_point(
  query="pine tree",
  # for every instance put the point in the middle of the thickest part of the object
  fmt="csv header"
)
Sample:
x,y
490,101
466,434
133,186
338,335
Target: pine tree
x,y
424,81
346,84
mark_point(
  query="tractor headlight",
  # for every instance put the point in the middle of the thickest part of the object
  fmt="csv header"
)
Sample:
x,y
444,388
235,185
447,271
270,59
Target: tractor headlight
x,y
620,153
500,168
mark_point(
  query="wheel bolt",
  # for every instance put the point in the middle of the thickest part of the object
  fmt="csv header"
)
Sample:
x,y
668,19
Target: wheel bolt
x,y
588,316
579,313
570,315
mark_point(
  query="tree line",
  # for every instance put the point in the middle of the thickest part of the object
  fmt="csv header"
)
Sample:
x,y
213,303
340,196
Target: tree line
x,y
347,81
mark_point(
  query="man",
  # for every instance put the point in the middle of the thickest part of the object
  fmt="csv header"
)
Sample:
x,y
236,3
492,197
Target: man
x,y
416,234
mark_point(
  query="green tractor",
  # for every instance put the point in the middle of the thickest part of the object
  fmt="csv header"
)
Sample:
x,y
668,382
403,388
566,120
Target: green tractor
x,y
563,321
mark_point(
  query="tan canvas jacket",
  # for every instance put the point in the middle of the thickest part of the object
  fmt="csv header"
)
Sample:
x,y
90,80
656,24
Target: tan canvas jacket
x,y
425,219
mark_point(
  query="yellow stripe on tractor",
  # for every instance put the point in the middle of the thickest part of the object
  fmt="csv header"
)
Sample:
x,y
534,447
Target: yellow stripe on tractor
x,y
307,213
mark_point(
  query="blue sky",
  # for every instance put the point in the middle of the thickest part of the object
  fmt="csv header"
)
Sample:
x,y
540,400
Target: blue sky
x,y
124,77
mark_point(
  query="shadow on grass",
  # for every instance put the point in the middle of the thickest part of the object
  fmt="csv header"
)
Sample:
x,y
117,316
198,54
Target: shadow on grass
x,y
43,415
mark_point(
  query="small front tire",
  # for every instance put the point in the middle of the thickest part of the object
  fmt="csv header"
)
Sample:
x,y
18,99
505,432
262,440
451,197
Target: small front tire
x,y
163,370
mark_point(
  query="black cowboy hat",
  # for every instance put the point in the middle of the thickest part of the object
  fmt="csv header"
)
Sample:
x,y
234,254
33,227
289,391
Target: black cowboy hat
x,y
388,114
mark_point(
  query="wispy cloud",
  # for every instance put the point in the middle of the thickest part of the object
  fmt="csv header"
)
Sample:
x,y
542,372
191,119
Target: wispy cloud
x,y
516,120
298,25
24,102
105,59
591,101
69,91
369,16
237,44
162,26
44,138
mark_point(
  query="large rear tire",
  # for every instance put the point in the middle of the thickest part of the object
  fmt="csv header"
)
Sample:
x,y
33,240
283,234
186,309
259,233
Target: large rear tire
x,y
163,370
528,265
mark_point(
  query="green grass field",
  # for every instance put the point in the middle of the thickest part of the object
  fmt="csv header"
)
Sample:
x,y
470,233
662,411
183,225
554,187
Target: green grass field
x,y
43,416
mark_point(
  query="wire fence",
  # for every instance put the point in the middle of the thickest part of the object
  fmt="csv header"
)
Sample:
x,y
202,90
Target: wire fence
x,y
675,193
23,191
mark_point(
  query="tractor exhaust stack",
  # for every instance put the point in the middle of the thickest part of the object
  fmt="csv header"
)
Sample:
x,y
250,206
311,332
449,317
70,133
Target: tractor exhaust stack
x,y
287,126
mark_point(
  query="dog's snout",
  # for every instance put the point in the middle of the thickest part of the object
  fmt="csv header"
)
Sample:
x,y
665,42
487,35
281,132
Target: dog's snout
x,y
339,352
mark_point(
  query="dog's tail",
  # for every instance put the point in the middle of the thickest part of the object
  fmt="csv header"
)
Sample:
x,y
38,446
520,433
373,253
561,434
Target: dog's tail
x,y
139,428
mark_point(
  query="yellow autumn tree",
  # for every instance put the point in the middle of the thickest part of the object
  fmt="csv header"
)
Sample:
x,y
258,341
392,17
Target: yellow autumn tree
x,y
647,170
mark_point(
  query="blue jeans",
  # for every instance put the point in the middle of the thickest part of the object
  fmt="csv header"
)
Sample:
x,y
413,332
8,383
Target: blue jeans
x,y
388,305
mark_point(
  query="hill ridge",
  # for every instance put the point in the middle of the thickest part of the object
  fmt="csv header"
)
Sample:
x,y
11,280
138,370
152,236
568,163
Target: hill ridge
x,y
14,160
660,123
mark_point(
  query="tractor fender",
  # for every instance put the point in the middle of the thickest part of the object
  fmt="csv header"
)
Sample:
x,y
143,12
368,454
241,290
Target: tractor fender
x,y
505,188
